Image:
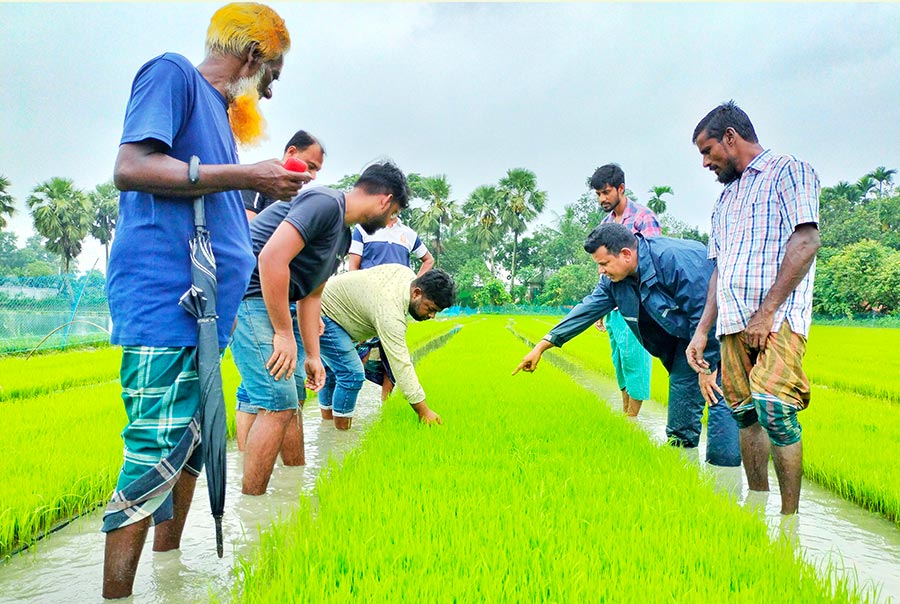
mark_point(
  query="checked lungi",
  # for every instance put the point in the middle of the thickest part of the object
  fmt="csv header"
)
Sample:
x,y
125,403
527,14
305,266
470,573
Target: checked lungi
x,y
161,391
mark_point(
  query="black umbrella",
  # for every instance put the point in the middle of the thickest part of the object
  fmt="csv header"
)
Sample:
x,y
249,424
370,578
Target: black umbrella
x,y
200,301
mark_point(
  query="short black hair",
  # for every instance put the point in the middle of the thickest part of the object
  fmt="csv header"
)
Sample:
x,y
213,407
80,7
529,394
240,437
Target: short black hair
x,y
611,235
437,285
303,140
610,174
385,178
726,115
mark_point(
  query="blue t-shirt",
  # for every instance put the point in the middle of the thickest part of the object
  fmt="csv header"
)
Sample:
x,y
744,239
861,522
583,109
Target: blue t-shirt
x,y
149,263
390,245
318,215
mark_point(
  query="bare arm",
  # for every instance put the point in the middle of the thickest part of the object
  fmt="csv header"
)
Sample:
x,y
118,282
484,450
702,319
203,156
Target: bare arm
x,y
353,261
799,254
146,167
530,362
275,278
309,315
427,264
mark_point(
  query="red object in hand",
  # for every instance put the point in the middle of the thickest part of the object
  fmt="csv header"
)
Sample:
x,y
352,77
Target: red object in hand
x,y
295,165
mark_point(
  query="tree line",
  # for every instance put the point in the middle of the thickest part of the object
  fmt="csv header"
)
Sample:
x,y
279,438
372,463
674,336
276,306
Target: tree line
x,y
491,244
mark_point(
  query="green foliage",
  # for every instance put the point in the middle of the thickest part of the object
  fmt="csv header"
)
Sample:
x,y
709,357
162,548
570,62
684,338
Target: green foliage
x,y
469,279
438,212
62,215
104,202
7,203
848,283
492,293
521,202
657,204
672,227
569,284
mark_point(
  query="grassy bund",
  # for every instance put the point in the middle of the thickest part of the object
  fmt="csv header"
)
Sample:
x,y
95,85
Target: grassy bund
x,y
500,472
530,492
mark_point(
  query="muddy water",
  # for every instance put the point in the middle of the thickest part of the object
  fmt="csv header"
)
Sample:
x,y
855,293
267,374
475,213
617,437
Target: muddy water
x,y
828,529
68,565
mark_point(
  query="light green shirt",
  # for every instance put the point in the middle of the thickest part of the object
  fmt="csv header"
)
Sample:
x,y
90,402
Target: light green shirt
x,y
375,302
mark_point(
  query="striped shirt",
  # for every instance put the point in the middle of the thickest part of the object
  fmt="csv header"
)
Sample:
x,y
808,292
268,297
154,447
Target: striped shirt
x,y
751,224
640,219
390,245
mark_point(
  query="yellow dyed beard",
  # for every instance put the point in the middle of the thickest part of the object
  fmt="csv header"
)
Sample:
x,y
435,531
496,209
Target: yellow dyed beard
x,y
247,123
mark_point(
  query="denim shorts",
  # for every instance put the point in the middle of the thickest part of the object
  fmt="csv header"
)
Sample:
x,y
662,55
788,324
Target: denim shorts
x,y
251,347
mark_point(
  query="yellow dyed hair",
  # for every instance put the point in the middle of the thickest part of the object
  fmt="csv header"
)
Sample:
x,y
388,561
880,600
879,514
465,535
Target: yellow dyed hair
x,y
234,27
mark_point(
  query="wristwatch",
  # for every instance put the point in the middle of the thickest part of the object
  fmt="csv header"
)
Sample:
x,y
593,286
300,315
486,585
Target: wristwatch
x,y
194,170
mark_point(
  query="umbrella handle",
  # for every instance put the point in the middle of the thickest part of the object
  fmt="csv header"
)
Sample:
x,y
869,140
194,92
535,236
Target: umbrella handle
x,y
194,177
219,545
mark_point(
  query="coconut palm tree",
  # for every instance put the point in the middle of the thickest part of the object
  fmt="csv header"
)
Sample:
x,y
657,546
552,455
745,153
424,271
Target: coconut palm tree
x,y
104,200
521,203
7,203
62,216
657,203
884,177
482,215
439,210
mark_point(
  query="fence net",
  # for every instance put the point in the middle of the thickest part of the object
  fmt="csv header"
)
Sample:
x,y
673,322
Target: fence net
x,y
53,312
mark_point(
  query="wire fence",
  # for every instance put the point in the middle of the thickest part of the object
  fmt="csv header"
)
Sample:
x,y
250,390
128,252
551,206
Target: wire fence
x,y
53,312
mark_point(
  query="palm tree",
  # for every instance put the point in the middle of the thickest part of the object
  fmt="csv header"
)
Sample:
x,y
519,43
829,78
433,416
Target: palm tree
x,y
104,200
439,211
657,203
521,203
482,212
846,191
62,216
7,203
865,185
884,177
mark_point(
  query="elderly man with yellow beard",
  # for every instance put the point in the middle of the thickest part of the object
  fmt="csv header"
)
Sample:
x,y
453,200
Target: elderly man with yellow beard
x,y
177,111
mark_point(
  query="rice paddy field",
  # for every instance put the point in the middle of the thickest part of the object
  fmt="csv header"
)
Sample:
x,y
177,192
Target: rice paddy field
x,y
516,498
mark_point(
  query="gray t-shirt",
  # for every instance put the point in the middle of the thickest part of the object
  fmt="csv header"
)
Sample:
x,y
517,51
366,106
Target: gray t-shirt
x,y
318,215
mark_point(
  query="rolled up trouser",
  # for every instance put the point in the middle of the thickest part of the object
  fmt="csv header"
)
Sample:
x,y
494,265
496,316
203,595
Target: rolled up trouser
x,y
686,405
161,391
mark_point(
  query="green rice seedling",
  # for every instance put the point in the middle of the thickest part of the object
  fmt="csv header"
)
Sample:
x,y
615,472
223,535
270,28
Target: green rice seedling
x,y
527,493
59,457
858,359
851,444
42,374
590,350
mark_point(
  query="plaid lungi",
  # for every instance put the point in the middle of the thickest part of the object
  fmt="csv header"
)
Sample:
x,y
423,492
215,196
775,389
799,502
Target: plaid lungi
x,y
161,391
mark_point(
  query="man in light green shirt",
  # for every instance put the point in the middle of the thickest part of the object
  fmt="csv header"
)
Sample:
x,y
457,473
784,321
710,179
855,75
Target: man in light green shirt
x,y
358,305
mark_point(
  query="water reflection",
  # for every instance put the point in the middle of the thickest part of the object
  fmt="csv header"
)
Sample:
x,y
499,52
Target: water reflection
x,y
67,567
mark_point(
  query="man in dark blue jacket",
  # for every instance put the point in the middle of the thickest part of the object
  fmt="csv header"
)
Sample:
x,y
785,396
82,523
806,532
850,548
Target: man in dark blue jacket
x,y
659,285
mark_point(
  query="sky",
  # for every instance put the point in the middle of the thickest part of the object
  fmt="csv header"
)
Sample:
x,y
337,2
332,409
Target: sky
x,y
471,90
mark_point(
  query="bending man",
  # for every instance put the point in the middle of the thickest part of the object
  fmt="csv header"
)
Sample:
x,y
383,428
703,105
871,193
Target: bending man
x,y
659,285
358,305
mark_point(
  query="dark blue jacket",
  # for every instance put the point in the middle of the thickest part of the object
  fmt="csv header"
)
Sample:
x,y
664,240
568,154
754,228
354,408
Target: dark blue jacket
x,y
670,284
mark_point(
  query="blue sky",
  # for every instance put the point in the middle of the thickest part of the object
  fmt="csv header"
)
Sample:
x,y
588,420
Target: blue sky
x,y
471,90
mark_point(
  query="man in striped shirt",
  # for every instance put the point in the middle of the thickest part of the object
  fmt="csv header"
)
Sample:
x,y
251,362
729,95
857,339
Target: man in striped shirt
x,y
764,239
